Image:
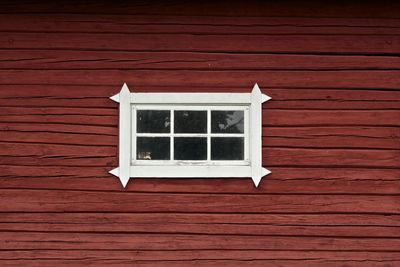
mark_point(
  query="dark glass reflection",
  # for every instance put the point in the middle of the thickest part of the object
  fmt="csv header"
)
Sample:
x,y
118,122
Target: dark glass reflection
x,y
190,121
190,148
153,148
227,121
153,121
227,148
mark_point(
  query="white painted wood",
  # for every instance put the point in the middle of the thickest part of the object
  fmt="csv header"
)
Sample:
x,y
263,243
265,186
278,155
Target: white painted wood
x,y
124,135
133,133
200,107
247,134
264,98
190,162
208,135
257,171
115,98
191,98
249,102
171,138
189,135
191,171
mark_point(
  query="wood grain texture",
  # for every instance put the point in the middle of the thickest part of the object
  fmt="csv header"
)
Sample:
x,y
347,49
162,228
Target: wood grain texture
x,y
326,225
33,200
121,23
282,98
384,79
329,44
287,8
331,133
70,59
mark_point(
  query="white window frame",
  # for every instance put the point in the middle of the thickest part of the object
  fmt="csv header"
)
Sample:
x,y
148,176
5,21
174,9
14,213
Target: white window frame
x,y
251,166
208,135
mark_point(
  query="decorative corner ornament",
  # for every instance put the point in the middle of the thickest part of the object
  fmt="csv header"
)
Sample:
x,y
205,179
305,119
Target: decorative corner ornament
x,y
127,170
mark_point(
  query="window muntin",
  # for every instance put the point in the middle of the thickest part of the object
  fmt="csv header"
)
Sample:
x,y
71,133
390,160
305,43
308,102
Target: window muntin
x,y
201,135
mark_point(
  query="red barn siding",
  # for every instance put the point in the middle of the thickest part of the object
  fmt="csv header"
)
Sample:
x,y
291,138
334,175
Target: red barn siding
x,y
331,134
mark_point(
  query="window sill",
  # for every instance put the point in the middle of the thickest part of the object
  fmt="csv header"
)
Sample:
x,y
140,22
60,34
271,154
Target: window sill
x,y
141,171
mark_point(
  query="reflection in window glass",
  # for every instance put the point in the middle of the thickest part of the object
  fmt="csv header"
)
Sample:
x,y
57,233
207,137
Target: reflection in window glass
x,y
153,148
190,121
153,121
227,121
190,148
227,148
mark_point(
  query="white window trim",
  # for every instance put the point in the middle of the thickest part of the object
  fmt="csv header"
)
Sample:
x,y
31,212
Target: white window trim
x,y
127,169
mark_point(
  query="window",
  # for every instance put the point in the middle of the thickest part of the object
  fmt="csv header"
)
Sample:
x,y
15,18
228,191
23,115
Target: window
x,y
185,135
190,135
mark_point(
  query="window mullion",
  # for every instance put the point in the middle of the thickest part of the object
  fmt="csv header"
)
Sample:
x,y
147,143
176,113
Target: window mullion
x,y
172,135
208,134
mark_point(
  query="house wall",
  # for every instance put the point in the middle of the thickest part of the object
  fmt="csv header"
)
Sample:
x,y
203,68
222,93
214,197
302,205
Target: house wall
x,y
331,133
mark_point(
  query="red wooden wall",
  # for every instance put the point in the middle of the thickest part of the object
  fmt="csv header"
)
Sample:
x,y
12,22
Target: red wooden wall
x,y
331,133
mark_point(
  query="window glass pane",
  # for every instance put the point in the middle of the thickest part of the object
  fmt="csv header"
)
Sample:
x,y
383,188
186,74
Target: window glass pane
x,y
153,121
227,121
190,148
227,148
187,121
153,148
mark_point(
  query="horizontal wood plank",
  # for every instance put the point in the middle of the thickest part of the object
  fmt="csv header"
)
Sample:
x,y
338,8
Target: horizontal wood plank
x,y
221,8
76,201
282,181
337,44
332,137
97,97
194,24
197,262
213,224
243,79
192,255
330,118
69,59
125,241
331,157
